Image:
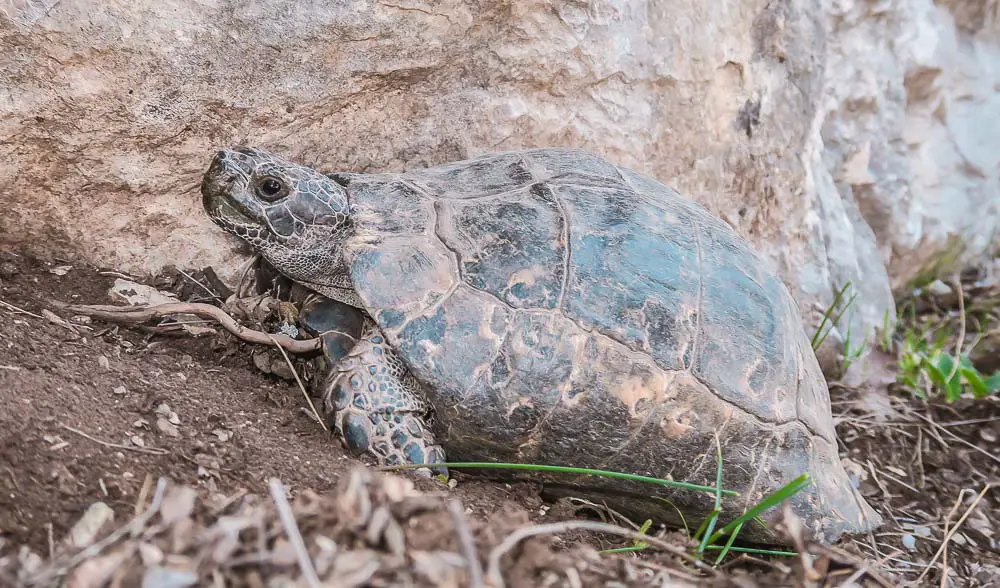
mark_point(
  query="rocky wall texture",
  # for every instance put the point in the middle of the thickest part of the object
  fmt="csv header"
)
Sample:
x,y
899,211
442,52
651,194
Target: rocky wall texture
x,y
848,141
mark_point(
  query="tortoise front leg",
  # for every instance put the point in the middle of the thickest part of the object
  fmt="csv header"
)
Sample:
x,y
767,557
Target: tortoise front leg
x,y
377,406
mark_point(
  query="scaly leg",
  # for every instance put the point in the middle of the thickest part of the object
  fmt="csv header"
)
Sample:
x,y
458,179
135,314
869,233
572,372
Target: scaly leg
x,y
377,406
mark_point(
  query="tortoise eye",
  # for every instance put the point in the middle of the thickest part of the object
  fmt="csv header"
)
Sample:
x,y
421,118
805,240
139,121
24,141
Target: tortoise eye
x,y
270,189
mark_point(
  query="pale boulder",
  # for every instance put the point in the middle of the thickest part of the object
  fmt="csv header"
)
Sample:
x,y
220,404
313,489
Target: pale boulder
x,y
846,141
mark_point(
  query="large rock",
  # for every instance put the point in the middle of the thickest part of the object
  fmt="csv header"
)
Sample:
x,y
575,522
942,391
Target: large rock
x,y
840,138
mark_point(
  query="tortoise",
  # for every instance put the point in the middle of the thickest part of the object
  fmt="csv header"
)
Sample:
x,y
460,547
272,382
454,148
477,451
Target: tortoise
x,y
547,306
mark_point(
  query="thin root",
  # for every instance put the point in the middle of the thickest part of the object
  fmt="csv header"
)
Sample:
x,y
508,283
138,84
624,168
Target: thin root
x,y
143,313
302,386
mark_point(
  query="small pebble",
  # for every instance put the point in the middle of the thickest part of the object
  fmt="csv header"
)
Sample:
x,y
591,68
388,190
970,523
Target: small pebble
x,y
164,411
938,288
103,362
120,390
909,542
167,428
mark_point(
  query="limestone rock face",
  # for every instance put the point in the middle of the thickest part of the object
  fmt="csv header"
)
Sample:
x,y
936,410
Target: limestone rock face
x,y
847,141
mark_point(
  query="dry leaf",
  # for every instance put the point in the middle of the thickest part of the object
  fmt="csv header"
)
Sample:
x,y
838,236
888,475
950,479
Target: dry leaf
x,y
94,573
151,555
160,577
178,503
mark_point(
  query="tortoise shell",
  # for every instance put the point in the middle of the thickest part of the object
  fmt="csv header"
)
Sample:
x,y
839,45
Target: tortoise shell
x,y
563,310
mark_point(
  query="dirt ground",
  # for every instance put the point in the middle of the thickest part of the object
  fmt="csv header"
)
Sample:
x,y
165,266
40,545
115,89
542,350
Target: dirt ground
x,y
95,412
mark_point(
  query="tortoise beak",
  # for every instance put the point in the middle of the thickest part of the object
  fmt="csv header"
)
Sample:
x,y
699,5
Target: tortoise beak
x,y
216,182
223,188
219,181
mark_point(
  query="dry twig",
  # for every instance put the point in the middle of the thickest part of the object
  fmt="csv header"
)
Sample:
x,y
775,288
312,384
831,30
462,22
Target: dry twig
x,y
143,313
951,533
865,568
292,530
511,541
147,485
302,386
957,438
957,282
843,557
151,450
17,310
203,286
466,542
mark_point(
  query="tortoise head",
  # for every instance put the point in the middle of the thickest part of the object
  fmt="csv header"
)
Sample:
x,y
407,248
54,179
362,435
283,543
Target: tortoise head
x,y
295,216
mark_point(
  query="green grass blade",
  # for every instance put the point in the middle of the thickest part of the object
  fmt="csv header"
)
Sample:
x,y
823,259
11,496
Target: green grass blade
x,y
631,549
729,545
975,380
714,518
755,551
954,389
704,525
718,473
850,302
561,469
773,499
935,373
637,544
643,530
820,336
710,523
687,531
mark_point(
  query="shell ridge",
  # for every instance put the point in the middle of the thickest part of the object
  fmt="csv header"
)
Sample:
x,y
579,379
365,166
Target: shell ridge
x,y
696,338
567,246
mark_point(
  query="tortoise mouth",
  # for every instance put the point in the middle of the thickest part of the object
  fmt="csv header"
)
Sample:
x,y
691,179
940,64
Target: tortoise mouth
x,y
218,188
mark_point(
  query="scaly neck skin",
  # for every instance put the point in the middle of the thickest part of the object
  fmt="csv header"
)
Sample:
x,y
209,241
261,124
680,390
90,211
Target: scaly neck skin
x,y
320,268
